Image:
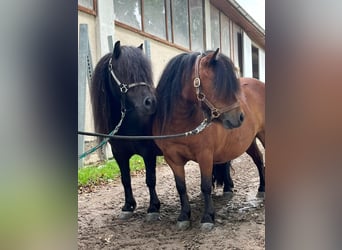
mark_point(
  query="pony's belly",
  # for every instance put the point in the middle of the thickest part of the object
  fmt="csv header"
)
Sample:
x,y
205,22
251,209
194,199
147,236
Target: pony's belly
x,y
222,157
232,144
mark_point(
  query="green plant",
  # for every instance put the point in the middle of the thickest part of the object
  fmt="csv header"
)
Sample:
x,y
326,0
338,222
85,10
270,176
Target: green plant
x,y
97,174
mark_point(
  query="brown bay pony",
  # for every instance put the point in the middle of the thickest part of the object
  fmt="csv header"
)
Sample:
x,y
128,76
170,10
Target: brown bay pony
x,y
194,87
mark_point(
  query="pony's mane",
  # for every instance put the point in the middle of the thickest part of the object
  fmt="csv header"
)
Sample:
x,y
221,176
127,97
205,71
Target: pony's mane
x,y
179,70
131,66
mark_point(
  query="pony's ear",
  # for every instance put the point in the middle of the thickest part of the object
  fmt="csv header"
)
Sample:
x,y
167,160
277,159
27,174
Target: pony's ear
x,y
215,56
140,46
117,50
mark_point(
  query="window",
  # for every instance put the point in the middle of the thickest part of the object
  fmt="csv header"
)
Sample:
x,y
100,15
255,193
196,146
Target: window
x,y
178,21
154,18
215,27
255,62
240,51
225,35
196,25
88,6
128,12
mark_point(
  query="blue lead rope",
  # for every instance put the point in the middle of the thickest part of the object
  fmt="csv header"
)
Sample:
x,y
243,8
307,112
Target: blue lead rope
x,y
104,141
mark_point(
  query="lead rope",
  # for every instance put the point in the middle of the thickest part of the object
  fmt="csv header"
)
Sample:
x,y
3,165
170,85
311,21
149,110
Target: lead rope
x,y
204,124
104,141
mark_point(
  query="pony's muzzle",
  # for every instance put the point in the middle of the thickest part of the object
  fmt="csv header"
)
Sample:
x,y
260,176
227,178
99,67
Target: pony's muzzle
x,y
233,119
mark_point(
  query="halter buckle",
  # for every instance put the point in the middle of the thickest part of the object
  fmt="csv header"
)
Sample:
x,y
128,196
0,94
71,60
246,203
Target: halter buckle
x,y
123,88
201,96
197,82
215,113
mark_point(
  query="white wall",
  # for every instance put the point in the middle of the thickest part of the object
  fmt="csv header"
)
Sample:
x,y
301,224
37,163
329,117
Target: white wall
x,y
161,53
247,56
262,65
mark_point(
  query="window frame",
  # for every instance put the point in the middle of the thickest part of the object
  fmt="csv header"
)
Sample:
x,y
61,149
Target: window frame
x,y
166,39
87,10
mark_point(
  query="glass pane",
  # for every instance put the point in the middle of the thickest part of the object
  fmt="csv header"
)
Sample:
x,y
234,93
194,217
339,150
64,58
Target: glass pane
x,y
128,12
225,36
196,26
87,3
180,22
154,17
215,28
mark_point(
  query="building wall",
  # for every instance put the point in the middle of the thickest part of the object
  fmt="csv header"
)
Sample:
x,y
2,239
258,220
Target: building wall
x,y
160,52
90,20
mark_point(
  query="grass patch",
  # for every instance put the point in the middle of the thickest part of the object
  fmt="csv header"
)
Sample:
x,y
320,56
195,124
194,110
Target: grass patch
x,y
99,174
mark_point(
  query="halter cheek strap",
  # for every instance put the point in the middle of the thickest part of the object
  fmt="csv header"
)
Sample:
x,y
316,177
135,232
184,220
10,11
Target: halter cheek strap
x,y
214,112
124,87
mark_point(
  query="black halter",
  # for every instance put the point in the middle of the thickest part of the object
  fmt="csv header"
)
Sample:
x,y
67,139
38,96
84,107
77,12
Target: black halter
x,y
124,87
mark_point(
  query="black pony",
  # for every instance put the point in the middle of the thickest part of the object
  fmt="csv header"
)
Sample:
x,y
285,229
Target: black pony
x,y
123,96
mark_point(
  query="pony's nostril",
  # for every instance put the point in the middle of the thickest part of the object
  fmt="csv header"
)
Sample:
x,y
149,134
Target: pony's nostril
x,y
149,102
242,117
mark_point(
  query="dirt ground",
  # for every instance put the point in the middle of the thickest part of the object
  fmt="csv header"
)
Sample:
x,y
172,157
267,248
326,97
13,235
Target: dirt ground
x,y
240,221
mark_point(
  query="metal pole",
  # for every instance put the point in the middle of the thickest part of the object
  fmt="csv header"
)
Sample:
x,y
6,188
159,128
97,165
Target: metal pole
x,y
147,48
82,75
110,43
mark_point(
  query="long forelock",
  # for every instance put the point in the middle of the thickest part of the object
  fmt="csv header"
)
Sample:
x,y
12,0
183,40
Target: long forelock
x,y
225,82
133,66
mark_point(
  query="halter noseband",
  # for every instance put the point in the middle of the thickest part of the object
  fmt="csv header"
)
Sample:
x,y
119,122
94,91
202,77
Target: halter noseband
x,y
214,112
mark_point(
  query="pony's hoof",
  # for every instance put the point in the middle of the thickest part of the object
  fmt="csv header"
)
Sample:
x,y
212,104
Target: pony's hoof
x,y
228,195
207,226
153,216
125,215
183,225
260,195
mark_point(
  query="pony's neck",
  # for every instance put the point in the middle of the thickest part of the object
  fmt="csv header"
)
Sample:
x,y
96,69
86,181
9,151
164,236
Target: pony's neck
x,y
187,111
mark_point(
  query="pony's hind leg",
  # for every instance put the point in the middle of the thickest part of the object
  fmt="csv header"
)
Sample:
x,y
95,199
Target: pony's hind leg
x,y
150,165
130,203
257,157
221,176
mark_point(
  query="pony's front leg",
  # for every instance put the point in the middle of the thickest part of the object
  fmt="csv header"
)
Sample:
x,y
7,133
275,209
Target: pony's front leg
x,y
208,219
183,221
153,209
130,203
